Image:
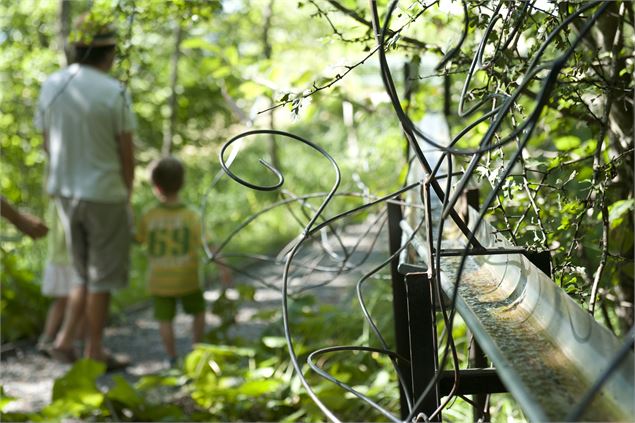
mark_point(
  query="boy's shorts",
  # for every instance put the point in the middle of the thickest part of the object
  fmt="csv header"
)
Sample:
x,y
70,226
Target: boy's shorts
x,y
165,307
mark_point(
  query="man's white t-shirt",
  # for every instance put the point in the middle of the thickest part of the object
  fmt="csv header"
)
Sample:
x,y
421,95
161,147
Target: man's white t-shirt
x,y
83,110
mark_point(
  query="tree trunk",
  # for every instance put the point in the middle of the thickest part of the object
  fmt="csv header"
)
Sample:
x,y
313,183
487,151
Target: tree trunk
x,y
65,30
170,123
268,51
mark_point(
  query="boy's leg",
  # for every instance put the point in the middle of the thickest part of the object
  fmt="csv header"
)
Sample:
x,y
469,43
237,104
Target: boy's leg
x,y
194,304
97,305
198,327
164,312
167,336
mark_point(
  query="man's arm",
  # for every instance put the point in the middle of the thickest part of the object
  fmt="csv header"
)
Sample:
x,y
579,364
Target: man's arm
x,y
26,223
126,155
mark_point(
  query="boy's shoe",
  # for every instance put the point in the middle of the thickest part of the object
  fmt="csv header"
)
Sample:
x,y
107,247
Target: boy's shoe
x,y
173,362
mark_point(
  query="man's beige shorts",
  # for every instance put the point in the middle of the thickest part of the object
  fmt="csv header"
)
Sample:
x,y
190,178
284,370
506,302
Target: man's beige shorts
x,y
99,241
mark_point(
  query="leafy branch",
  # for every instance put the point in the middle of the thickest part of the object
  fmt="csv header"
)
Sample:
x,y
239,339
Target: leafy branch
x,y
394,37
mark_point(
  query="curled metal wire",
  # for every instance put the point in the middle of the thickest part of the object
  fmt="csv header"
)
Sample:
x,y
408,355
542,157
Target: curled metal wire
x,y
494,109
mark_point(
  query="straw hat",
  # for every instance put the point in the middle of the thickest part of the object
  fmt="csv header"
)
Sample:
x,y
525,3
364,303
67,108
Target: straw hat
x,y
89,31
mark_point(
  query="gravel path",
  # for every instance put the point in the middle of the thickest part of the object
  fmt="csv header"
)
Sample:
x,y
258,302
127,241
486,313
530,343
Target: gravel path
x,y
29,376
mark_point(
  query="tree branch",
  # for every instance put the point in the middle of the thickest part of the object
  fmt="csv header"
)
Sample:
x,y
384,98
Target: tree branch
x,y
413,41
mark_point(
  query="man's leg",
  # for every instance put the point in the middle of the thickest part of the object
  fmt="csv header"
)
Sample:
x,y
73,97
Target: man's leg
x,y
67,210
74,314
54,318
108,235
97,313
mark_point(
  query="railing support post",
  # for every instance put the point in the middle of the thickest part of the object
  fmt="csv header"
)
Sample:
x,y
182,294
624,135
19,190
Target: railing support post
x,y
423,341
477,357
399,304
415,325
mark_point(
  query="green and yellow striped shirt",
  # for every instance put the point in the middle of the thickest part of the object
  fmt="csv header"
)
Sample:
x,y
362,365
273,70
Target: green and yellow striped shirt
x,y
172,235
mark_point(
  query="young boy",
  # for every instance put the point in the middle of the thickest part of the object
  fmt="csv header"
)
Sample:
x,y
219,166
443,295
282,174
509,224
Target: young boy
x,y
171,232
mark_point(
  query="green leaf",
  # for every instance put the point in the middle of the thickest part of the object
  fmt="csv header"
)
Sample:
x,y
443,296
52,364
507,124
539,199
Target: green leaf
x,y
80,380
246,292
124,392
555,162
618,210
196,42
226,350
153,381
259,387
294,417
250,89
304,78
5,399
274,342
567,142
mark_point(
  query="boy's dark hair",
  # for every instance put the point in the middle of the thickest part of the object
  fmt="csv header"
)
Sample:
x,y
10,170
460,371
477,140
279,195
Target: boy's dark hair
x,y
91,55
168,174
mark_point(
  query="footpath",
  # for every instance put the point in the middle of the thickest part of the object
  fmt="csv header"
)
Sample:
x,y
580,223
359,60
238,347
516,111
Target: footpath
x,y
29,376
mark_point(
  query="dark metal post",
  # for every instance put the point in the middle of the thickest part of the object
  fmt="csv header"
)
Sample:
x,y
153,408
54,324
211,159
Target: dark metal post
x,y
399,303
477,357
478,360
423,342
541,259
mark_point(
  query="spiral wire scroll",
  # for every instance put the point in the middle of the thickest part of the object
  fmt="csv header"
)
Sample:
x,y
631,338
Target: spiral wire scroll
x,y
495,108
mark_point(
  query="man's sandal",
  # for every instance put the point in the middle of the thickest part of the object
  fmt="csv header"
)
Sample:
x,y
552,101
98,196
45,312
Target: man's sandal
x,y
115,362
66,356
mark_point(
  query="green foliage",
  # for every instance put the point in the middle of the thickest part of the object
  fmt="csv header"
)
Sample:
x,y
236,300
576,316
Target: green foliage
x,y
19,293
577,163
4,399
253,383
230,383
75,394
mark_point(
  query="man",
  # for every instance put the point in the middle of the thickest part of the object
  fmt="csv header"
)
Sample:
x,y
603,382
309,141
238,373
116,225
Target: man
x,y
87,123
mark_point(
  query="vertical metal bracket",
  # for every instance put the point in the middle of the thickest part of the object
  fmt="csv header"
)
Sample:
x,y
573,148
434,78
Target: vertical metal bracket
x,y
423,342
477,358
399,305
415,324
542,260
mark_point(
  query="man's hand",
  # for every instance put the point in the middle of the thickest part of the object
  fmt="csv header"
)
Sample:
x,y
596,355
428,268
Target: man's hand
x,y
25,222
31,226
